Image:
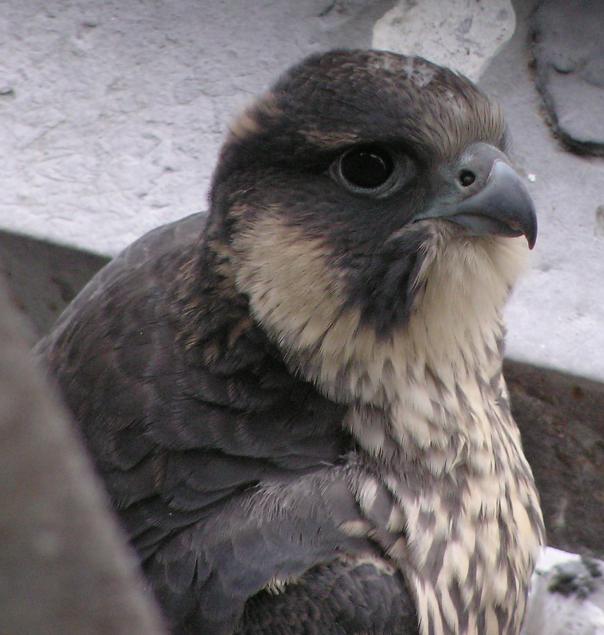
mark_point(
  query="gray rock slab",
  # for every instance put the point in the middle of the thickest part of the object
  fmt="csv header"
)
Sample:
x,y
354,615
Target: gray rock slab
x,y
567,596
112,113
453,33
556,316
64,565
569,59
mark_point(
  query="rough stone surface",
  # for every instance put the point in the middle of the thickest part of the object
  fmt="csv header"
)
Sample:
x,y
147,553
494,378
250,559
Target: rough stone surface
x,y
42,277
569,59
560,418
111,113
465,35
556,317
567,596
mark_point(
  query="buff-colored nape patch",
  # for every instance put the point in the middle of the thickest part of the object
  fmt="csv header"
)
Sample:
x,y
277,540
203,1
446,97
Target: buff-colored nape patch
x,y
466,281
329,140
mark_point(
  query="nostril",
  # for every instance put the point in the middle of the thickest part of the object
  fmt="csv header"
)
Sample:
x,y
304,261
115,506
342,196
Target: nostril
x,y
466,177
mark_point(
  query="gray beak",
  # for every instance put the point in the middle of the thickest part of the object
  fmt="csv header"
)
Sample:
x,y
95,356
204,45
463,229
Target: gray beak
x,y
496,202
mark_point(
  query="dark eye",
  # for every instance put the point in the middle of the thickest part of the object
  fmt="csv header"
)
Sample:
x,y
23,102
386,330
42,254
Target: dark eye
x,y
365,168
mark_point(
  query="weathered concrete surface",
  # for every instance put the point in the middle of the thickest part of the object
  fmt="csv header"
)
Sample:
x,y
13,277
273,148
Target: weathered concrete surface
x,y
64,566
556,317
112,113
569,59
460,34
567,596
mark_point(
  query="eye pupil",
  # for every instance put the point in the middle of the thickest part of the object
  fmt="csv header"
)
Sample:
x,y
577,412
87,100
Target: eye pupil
x,y
466,178
366,167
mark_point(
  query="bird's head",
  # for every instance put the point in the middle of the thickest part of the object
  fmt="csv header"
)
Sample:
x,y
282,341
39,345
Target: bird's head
x,y
367,197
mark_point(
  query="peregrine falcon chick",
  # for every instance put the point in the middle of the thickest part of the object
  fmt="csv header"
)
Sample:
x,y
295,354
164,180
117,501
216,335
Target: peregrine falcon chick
x,y
296,401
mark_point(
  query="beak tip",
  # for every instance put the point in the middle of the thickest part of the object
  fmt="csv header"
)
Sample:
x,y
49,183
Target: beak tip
x,y
531,233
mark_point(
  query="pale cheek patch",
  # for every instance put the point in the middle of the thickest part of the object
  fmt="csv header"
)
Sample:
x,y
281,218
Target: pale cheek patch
x,y
292,290
466,282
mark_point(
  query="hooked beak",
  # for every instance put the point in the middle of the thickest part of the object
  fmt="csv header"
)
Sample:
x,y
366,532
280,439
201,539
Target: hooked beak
x,y
497,202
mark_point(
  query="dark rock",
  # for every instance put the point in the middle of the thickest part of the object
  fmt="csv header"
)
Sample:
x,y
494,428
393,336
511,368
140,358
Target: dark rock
x,y
561,419
44,277
568,50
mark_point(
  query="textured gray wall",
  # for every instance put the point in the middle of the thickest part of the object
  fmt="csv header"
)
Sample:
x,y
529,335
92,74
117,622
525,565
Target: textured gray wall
x,y
112,112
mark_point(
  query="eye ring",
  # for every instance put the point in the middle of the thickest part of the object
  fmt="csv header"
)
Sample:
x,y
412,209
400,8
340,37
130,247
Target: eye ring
x,y
367,169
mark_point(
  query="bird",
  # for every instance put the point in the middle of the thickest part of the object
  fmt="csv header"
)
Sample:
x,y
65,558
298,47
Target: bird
x,y
295,400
